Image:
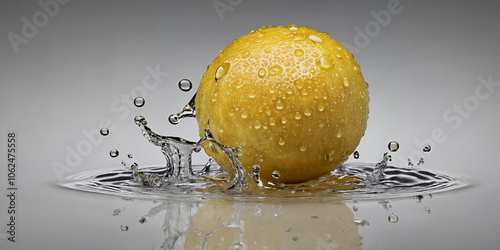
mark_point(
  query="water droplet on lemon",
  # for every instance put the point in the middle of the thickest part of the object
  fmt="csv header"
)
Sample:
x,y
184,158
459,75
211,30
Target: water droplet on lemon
x,y
275,70
261,72
221,71
298,52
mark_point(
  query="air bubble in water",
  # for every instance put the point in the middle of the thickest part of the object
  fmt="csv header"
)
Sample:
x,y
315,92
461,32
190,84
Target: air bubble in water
x,y
185,85
139,102
393,146
356,155
124,228
114,153
276,174
428,210
427,148
393,218
104,131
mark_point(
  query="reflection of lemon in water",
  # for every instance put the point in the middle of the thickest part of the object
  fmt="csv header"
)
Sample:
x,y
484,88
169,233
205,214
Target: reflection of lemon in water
x,y
292,98
273,225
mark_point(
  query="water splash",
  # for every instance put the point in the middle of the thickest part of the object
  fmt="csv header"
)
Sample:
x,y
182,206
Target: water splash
x,y
179,177
177,151
378,173
188,111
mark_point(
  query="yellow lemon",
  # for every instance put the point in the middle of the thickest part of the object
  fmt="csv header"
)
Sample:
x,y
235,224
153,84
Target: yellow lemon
x,y
291,97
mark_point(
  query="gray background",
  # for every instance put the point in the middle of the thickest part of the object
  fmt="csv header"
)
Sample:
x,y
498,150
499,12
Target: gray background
x,y
73,72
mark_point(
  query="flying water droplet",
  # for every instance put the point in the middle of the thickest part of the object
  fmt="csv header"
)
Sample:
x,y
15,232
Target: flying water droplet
x,y
410,164
185,85
114,153
420,161
124,228
143,220
356,155
393,146
104,131
139,102
117,212
393,218
130,156
427,148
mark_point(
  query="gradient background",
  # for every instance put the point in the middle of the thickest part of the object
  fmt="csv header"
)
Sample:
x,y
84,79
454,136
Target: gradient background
x,y
73,72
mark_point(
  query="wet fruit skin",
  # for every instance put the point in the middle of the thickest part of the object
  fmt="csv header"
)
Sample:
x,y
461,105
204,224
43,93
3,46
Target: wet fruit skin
x,y
291,97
